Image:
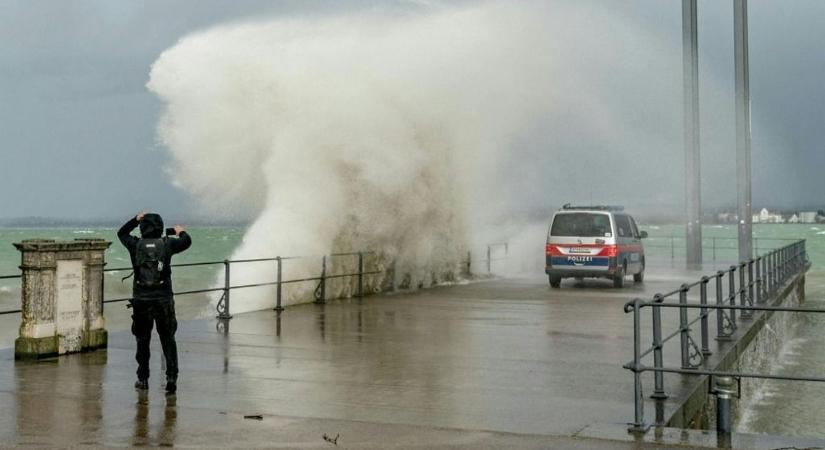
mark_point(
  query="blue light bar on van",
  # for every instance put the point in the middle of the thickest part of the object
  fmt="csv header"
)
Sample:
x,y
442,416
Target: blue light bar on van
x,y
568,206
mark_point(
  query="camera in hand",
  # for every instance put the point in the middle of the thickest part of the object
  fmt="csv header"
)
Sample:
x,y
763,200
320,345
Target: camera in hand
x,y
170,232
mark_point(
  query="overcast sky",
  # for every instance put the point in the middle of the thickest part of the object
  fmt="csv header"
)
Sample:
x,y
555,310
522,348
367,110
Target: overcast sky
x,y
78,124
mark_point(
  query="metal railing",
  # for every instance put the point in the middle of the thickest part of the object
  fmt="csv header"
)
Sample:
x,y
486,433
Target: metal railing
x,y
223,304
10,277
750,283
716,245
319,294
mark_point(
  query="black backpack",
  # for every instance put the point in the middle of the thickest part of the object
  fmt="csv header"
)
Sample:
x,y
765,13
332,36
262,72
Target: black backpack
x,y
150,257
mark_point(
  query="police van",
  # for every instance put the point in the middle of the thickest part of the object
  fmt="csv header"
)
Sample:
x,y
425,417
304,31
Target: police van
x,y
594,241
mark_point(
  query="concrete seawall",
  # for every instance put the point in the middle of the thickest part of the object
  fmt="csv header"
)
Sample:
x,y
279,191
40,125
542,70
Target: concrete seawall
x,y
752,349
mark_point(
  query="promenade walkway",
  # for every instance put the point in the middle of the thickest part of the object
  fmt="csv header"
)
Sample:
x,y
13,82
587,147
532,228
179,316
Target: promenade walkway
x,y
490,364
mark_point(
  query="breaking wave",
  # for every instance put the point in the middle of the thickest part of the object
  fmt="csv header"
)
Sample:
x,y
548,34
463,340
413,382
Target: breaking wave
x,y
403,131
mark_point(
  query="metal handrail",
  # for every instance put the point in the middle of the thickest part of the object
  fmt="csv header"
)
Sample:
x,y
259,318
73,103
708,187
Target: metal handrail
x,y
713,247
213,263
320,294
758,281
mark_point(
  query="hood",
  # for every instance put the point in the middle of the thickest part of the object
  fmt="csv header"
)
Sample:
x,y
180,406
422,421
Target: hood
x,y
151,226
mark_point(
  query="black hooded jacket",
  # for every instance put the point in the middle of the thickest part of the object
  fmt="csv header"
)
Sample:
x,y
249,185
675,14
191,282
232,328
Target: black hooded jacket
x,y
151,227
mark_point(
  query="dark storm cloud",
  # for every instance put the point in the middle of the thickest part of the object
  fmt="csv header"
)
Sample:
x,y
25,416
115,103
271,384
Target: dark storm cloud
x,y
78,125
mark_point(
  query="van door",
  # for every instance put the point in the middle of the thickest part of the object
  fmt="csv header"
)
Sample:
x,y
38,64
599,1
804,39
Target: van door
x,y
581,241
628,243
637,240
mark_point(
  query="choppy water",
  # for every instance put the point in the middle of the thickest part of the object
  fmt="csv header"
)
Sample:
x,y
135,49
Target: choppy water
x,y
796,408
779,407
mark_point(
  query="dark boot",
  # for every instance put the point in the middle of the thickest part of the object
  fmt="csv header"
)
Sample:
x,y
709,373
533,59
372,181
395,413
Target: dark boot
x,y
171,385
142,383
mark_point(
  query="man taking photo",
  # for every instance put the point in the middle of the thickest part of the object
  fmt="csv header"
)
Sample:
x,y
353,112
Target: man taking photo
x,y
152,298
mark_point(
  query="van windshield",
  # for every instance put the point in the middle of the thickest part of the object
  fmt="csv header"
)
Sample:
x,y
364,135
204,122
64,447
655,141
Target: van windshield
x,y
581,224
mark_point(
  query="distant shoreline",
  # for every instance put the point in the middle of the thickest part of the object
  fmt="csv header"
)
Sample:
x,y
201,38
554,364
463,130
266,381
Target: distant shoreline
x,y
42,223
110,226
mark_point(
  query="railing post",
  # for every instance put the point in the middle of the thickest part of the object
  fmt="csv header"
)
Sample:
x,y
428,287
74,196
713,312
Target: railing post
x,y
759,297
360,274
683,328
803,249
795,256
658,361
792,257
278,280
780,266
723,388
469,263
720,313
322,287
638,399
774,274
769,273
703,299
732,293
489,261
223,312
751,300
714,249
743,291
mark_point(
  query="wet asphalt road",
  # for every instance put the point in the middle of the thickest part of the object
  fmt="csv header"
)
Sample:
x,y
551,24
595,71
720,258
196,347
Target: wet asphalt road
x,y
493,363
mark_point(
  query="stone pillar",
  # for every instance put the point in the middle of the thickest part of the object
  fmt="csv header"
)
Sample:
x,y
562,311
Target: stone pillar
x,y
62,304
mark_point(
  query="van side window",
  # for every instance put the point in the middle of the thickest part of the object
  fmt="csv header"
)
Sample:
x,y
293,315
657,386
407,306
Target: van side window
x,y
623,226
634,228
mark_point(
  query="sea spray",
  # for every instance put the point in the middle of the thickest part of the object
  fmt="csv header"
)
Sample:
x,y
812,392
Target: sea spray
x,y
408,133
368,132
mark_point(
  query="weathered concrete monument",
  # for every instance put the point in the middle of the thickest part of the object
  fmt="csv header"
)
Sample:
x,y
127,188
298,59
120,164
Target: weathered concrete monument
x,y
62,304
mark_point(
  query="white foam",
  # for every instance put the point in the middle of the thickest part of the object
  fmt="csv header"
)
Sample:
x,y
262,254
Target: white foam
x,y
393,131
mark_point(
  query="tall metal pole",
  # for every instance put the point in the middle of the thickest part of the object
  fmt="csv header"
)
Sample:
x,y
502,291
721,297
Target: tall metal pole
x,y
743,129
693,193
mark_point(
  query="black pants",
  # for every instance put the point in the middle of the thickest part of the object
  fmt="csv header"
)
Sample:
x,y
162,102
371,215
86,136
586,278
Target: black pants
x,y
146,314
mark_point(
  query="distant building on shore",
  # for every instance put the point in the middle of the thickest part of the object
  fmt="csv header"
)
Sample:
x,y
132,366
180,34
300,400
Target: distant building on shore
x,y
766,216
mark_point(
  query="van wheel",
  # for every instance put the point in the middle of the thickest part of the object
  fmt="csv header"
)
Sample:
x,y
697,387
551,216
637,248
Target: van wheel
x,y
618,279
640,277
555,281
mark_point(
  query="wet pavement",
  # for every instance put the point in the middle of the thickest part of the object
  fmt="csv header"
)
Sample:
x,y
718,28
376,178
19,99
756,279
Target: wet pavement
x,y
490,364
